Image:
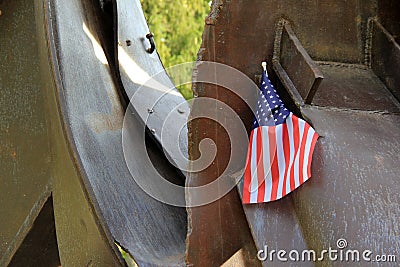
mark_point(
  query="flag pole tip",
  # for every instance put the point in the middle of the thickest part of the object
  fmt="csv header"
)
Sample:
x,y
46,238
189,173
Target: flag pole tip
x,y
264,65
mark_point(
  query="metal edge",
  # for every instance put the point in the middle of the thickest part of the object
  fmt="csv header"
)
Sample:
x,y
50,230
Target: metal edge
x,y
53,56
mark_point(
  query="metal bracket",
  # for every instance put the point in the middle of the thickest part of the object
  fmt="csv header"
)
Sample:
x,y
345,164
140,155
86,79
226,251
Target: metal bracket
x,y
150,50
299,74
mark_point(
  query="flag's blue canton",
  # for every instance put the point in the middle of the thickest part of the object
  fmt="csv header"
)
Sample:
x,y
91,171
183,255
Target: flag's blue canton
x,y
270,109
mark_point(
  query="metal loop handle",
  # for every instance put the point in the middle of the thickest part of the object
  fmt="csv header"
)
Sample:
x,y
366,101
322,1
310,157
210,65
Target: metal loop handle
x,y
150,50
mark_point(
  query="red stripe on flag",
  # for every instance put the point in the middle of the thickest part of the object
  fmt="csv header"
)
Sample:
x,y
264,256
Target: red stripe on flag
x,y
295,140
274,161
247,173
286,152
302,149
314,141
260,167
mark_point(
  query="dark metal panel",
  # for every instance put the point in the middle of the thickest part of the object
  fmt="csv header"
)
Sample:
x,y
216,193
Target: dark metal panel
x,y
287,84
40,245
389,13
385,57
24,149
353,193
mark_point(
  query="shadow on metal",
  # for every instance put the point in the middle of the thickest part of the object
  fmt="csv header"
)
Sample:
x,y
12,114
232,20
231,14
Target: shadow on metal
x,y
39,247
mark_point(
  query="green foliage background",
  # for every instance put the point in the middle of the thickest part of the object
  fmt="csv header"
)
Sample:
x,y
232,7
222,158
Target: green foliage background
x,y
177,26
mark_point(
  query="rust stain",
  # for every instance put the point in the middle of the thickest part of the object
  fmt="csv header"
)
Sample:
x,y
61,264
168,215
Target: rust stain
x,y
210,21
380,160
214,14
8,150
101,122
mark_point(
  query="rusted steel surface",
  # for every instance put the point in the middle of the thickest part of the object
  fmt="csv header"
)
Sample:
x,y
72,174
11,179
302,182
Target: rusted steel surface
x,y
302,71
358,122
281,220
354,190
385,56
62,107
342,81
25,154
388,13
217,232
354,87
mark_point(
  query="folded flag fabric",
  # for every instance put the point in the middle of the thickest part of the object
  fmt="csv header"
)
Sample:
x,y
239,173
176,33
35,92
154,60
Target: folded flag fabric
x,y
280,149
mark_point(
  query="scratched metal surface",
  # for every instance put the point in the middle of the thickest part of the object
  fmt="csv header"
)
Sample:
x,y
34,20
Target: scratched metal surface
x,y
152,232
218,233
385,49
241,34
354,87
353,193
279,219
25,181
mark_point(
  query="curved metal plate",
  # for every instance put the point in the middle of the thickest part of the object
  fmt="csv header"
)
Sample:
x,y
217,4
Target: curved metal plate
x,y
152,232
143,75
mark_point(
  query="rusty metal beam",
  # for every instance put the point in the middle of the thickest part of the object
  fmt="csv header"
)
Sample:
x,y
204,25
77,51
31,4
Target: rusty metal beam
x,y
293,65
385,57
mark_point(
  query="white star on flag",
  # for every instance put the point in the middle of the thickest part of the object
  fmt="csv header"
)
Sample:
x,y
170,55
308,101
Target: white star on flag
x,y
280,150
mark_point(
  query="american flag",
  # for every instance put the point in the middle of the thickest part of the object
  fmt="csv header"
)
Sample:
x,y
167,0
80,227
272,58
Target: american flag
x,y
280,149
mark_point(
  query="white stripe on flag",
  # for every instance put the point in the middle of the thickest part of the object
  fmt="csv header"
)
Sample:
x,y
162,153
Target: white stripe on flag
x,y
297,159
307,151
289,123
281,159
283,138
253,168
267,164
